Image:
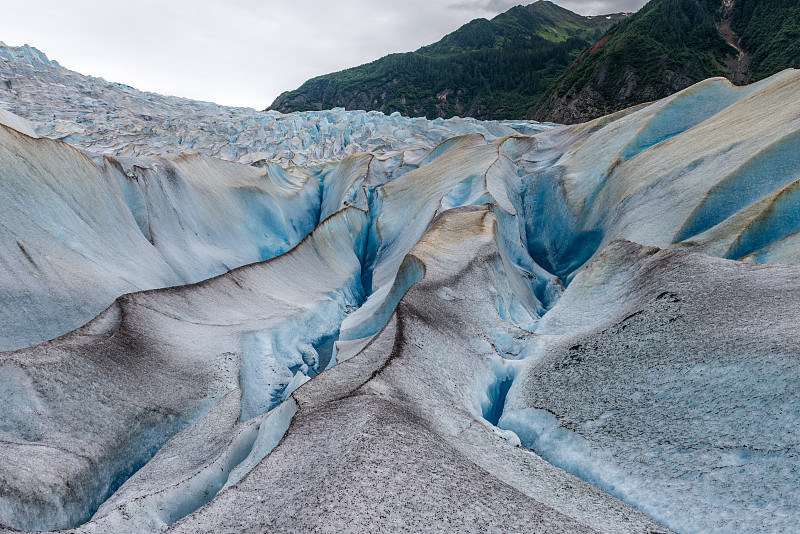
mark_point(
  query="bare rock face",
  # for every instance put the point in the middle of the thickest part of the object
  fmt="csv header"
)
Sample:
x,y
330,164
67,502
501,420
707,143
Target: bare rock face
x,y
576,106
583,330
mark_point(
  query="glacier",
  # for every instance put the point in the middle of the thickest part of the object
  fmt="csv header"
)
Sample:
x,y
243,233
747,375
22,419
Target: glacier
x,y
107,118
221,320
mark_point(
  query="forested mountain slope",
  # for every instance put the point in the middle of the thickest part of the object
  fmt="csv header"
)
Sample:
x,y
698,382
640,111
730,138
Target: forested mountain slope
x,y
671,44
487,69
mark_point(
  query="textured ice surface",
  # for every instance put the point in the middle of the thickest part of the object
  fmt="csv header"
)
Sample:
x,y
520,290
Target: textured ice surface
x,y
395,439
687,402
153,363
415,362
76,234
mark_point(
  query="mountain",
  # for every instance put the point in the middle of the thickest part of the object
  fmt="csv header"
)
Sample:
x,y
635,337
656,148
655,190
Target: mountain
x,y
403,327
488,69
546,63
669,45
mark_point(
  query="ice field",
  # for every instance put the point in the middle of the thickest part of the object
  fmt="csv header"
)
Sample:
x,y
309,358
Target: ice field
x,y
347,322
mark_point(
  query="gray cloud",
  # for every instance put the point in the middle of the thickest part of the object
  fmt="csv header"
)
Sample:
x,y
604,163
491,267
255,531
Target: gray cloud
x,y
583,7
491,6
236,52
601,7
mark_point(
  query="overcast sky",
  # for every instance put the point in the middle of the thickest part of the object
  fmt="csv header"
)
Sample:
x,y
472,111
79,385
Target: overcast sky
x,y
239,52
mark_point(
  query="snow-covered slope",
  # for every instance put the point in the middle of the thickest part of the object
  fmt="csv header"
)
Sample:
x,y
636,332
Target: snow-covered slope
x,y
462,322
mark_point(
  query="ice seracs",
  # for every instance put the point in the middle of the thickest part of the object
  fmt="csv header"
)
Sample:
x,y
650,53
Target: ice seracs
x,y
117,120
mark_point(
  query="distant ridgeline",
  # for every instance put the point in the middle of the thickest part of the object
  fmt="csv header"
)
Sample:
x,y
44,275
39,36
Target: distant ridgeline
x,y
487,69
547,63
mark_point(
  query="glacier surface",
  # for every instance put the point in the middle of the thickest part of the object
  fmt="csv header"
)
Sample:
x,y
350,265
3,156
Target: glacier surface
x,y
434,325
